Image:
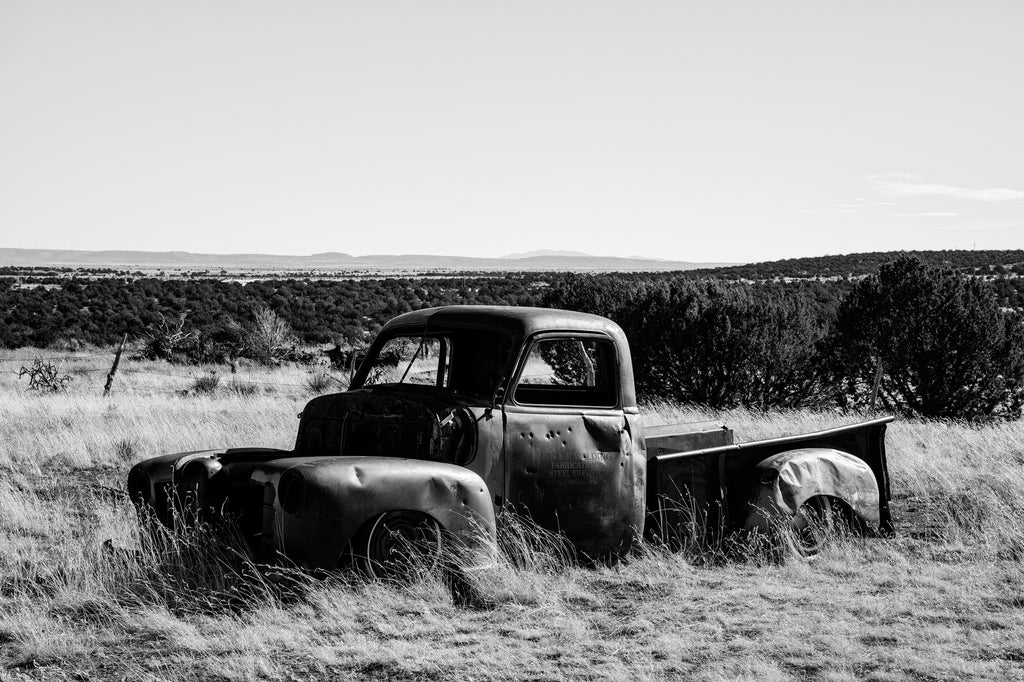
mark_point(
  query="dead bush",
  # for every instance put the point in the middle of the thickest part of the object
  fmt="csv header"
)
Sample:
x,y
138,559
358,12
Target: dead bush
x,y
46,377
268,338
166,340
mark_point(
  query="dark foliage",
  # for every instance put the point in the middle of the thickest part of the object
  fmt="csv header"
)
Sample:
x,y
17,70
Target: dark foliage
x,y
946,347
860,264
948,337
708,343
99,311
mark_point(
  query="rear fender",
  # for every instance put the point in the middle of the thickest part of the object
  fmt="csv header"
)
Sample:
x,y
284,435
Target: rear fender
x,y
789,479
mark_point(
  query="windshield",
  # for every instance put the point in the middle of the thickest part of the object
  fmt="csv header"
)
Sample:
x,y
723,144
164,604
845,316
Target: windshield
x,y
468,361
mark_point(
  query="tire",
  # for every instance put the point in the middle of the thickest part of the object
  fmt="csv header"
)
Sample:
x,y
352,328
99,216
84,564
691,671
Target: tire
x,y
400,545
814,525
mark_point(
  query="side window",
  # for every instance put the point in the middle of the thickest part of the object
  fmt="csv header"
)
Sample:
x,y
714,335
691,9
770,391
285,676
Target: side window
x,y
569,371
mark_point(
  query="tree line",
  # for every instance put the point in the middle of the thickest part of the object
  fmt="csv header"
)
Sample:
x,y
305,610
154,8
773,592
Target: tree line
x,y
974,261
943,343
50,311
917,339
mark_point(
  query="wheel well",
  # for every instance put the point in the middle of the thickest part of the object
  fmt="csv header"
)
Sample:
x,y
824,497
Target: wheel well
x,y
844,512
852,520
845,480
359,538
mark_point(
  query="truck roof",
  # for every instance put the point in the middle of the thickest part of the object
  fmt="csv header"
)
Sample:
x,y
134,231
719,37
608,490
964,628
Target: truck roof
x,y
521,322
518,320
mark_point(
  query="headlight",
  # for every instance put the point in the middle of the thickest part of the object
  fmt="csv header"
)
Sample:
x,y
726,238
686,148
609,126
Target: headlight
x,y
195,480
199,487
291,491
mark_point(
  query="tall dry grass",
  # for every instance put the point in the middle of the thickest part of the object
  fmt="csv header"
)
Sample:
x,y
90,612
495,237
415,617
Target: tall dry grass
x,y
85,594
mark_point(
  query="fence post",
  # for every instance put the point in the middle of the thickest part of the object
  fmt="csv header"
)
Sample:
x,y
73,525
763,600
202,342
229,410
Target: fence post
x,y
877,384
113,368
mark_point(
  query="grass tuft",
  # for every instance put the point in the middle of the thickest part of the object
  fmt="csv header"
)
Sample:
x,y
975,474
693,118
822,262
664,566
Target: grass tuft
x,y
206,385
318,383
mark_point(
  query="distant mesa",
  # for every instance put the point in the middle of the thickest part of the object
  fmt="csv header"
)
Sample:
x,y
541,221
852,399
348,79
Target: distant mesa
x,y
540,260
548,252
332,254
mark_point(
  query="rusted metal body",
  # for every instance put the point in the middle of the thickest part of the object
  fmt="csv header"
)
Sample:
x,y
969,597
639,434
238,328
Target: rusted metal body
x,y
706,492
464,412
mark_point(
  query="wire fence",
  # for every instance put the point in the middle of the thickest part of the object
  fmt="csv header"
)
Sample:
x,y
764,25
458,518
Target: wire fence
x,y
77,356
231,380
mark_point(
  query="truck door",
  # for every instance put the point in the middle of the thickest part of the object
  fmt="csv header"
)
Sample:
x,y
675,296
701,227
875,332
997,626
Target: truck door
x,y
568,454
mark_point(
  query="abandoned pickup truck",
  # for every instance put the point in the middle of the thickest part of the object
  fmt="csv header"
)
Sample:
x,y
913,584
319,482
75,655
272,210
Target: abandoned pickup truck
x,y
459,414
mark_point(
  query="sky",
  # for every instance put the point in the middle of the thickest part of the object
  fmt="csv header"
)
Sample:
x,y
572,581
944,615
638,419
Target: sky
x,y
701,131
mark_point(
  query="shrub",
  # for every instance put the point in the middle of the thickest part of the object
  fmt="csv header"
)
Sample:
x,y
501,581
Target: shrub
x,y
206,385
726,345
268,338
45,377
243,388
215,344
127,449
166,340
709,343
946,348
319,383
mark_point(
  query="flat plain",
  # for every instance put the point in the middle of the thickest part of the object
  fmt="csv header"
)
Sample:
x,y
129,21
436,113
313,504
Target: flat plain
x,y
84,596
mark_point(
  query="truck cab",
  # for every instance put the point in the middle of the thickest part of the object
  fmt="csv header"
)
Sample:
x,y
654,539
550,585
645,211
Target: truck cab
x,y
539,403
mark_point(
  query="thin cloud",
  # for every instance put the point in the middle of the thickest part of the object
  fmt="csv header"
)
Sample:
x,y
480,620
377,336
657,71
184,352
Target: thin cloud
x,y
895,176
972,227
927,214
863,203
903,188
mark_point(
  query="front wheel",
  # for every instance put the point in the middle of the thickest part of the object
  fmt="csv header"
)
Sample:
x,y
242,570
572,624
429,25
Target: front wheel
x,y
814,525
401,544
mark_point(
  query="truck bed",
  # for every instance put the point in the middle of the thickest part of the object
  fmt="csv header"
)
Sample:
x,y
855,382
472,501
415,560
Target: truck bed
x,y
711,485
686,437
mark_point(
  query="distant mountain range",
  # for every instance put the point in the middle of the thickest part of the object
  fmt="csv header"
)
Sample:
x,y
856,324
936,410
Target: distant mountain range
x,y
183,260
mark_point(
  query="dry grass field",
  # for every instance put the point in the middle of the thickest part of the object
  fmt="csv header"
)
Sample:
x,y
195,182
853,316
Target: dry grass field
x,y
942,600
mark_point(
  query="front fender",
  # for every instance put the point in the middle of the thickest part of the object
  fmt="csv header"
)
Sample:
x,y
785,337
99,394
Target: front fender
x,y
789,479
150,483
340,494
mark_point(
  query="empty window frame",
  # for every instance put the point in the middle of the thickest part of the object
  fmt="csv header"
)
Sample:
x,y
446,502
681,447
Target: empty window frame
x,y
569,370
